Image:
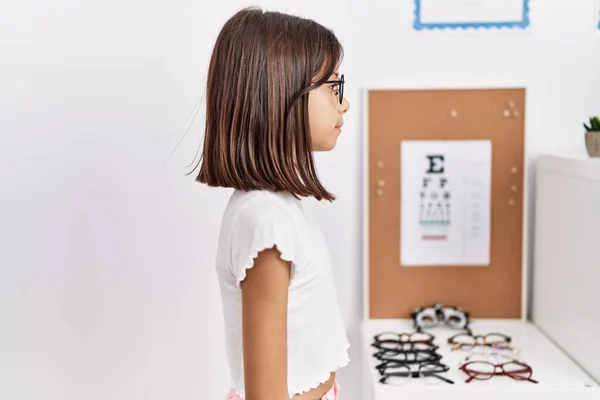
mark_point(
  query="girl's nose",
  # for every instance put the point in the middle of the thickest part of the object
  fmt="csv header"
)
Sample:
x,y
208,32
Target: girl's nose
x,y
345,106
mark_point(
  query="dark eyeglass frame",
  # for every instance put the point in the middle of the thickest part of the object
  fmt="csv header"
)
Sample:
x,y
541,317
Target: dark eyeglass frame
x,y
499,370
384,365
402,337
340,82
405,347
420,373
406,356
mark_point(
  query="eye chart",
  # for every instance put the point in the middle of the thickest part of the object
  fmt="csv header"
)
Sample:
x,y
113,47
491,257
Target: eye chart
x,y
445,203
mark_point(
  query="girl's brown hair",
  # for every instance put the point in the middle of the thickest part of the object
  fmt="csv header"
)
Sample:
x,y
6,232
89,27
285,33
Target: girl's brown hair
x,y
257,134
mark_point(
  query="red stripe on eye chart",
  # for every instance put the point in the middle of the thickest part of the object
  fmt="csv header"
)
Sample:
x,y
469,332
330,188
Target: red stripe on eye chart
x,y
434,237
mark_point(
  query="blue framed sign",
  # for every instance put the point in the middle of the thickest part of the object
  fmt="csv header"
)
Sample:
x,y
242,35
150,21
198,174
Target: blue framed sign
x,y
475,14
598,13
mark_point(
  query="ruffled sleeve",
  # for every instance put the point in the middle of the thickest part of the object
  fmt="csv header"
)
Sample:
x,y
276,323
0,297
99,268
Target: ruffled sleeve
x,y
261,227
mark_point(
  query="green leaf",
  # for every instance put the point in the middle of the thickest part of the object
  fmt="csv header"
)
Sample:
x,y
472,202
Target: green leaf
x,y
594,124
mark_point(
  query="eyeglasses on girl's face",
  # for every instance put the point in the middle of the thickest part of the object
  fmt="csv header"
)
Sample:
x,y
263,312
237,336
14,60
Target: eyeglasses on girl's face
x,y
338,87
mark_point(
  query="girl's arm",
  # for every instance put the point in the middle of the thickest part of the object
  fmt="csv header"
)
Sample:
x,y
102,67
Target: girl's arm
x,y
264,324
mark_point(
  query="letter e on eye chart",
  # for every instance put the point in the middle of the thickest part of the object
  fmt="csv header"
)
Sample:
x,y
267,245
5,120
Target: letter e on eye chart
x,y
445,202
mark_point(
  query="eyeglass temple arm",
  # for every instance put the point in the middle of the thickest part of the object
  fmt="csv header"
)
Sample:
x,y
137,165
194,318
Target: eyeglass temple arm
x,y
516,373
416,374
444,379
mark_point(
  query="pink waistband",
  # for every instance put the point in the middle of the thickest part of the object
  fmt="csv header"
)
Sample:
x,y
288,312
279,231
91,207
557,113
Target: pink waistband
x,y
332,394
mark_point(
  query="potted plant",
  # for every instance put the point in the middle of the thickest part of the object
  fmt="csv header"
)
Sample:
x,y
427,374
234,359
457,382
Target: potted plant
x,y
592,137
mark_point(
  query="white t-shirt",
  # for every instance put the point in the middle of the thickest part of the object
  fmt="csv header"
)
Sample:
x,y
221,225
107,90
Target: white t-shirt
x,y
316,336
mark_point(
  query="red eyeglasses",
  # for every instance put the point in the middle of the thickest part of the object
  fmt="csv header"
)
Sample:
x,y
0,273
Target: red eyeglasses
x,y
483,370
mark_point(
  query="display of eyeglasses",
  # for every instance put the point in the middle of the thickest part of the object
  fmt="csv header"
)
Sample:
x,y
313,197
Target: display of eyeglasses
x,y
441,350
406,355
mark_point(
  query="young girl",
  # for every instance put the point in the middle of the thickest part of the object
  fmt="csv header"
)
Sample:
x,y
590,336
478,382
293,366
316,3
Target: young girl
x,y
274,96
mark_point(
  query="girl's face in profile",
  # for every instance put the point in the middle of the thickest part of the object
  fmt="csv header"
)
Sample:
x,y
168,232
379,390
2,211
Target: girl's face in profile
x,y
325,114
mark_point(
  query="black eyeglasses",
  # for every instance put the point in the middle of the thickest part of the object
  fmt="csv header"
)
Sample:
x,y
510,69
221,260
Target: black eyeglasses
x,y
401,337
399,342
418,359
340,87
406,356
405,347
401,373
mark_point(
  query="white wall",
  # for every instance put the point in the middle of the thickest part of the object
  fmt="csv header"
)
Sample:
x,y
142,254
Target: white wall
x,y
107,289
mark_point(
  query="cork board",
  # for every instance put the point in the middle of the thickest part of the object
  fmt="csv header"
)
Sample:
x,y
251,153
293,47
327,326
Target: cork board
x,y
497,115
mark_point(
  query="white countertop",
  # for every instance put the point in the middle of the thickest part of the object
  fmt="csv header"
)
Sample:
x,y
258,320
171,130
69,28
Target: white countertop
x,y
571,162
558,376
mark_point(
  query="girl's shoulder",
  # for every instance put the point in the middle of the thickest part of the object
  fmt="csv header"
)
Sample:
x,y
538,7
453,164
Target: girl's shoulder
x,y
261,204
258,220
